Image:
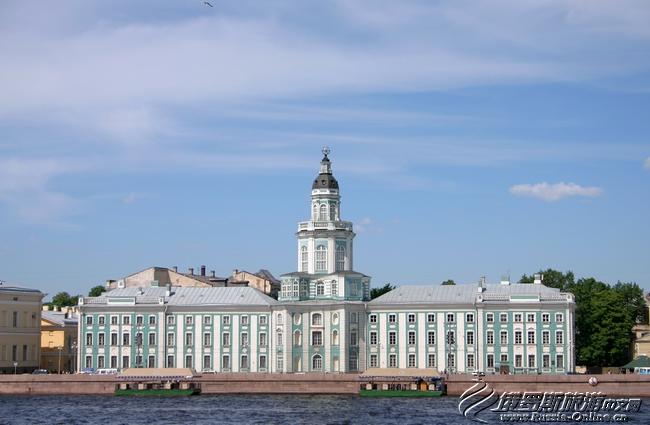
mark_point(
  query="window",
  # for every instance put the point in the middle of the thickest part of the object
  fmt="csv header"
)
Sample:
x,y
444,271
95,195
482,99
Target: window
x,y
170,339
323,212
113,362
321,258
392,318
411,337
546,318
207,339
317,338
518,318
126,339
531,337
489,337
431,360
25,354
431,317
171,320
126,320
100,339
411,360
450,318
152,320
546,337
244,339
431,338
138,340
559,361
280,338
151,361
411,318
225,362
518,337
225,339
102,320
262,339
451,337
317,362
114,338
559,317
504,358
559,337
531,360
279,361
89,339
243,363
320,288
304,258
114,322
207,320
546,361
489,318
332,211
335,337
503,317
451,360
334,288
373,338
262,361
469,338
225,320
244,320
504,338
189,320
490,360
139,321
170,361
392,360
126,361
280,319
470,360
317,319
469,317
189,339
89,359
373,360
392,338
188,361
518,360
89,319
373,318
207,363
530,317
340,258
297,338
262,320
152,338
353,338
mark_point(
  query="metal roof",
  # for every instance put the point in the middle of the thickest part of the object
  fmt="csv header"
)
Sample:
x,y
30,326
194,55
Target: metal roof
x,y
59,318
13,288
189,296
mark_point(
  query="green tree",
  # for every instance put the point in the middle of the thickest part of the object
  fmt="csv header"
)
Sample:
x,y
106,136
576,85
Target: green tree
x,y
448,282
553,279
63,299
96,291
377,292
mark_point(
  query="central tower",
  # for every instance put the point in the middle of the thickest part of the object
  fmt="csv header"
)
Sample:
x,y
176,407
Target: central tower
x,y
325,248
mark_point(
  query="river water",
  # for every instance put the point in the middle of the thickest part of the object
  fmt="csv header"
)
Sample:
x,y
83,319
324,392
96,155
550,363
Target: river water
x,y
241,409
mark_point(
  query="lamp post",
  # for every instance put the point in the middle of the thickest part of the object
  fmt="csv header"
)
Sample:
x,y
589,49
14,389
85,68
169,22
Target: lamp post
x,y
74,356
60,348
15,367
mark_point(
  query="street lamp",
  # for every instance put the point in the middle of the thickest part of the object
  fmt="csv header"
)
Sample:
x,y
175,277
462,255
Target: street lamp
x,y
60,348
74,356
15,367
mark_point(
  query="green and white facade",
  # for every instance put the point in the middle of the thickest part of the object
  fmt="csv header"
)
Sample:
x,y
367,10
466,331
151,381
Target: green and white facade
x,y
323,320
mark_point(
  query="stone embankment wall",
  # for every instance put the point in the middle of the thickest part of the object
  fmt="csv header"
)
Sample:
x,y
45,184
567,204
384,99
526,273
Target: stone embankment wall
x,y
612,385
56,384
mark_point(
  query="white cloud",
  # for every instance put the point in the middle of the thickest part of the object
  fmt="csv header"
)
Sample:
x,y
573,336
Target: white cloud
x,y
554,192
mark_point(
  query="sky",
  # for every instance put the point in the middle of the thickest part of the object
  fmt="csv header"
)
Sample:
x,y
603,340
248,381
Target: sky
x,y
469,138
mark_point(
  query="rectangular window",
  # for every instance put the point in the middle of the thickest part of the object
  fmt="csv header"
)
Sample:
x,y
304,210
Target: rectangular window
x,y
392,338
225,362
431,338
189,320
262,362
89,319
546,361
113,362
113,338
317,338
431,360
89,361
451,337
25,353
353,339
392,360
207,339
170,361
451,360
503,317
225,320
373,338
139,321
490,360
280,338
451,318
207,320
125,362
489,337
470,360
263,339
170,339
151,361
262,320
531,360
152,338
100,362
504,338
546,318
244,339
504,358
559,361
411,338
518,318
530,317
244,362
411,318
469,317
559,317
152,320
189,339
89,339
431,317
171,320
321,258
517,360
244,320
469,338
188,361
126,340
373,318
411,360
546,337
279,361
102,320
392,318
559,337
373,360
518,337
126,320
489,317
101,339
207,362
531,337
113,320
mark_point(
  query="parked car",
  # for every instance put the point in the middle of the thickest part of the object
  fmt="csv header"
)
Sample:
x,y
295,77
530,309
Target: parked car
x,y
40,372
87,371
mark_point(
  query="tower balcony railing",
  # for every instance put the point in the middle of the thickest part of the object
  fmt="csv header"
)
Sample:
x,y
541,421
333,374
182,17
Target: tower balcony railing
x,y
325,225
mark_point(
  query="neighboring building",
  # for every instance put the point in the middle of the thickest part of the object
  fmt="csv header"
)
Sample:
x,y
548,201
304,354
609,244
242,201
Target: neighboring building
x,y
20,319
323,320
263,281
59,339
641,343
162,276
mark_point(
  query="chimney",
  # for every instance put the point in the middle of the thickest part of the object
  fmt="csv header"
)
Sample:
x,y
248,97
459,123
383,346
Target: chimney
x,y
202,270
212,272
175,269
538,279
191,269
505,280
168,290
234,272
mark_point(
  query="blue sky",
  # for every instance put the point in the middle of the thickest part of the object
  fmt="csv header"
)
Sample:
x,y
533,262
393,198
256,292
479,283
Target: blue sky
x,y
469,138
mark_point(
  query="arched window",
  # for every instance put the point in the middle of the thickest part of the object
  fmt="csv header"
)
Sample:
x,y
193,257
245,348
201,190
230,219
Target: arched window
x,y
335,318
297,338
340,258
314,213
333,212
317,319
320,288
335,337
304,256
334,288
317,362
280,320
323,212
321,258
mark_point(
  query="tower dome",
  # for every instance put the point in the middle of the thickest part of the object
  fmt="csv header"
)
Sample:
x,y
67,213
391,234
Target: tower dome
x,y
325,179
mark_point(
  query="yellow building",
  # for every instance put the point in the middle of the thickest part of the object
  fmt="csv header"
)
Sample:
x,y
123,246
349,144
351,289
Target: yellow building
x,y
20,320
58,340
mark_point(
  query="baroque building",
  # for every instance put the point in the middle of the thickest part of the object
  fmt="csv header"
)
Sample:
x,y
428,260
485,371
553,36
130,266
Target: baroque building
x,y
324,321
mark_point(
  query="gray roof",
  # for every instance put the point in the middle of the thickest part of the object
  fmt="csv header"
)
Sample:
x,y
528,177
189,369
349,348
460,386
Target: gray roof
x,y
189,296
465,294
13,288
59,318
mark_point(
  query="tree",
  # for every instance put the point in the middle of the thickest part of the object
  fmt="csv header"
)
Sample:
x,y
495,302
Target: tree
x,y
448,282
553,279
96,291
377,292
63,299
